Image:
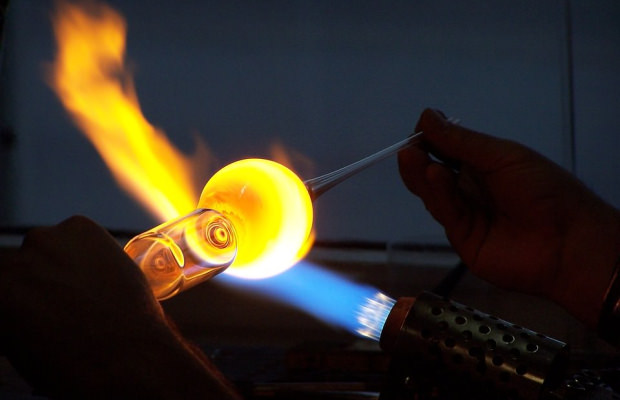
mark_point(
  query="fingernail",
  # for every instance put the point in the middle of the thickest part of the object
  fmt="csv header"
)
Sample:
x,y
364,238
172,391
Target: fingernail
x,y
439,118
440,114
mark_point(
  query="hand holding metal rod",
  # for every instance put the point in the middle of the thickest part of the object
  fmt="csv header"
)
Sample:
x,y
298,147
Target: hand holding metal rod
x,y
321,184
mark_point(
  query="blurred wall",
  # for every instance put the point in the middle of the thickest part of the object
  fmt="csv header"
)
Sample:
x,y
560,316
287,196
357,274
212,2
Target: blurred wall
x,y
334,81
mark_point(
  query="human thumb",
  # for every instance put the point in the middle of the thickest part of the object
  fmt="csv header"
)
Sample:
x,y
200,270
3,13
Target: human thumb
x,y
456,144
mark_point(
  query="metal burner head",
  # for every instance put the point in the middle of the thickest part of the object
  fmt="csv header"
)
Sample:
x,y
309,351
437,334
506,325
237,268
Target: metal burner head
x,y
463,340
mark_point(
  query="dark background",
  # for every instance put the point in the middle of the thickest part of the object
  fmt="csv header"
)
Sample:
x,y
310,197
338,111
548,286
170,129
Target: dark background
x,y
334,81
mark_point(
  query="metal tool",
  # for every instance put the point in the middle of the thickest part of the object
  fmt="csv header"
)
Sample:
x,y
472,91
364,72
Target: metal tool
x,y
321,184
506,359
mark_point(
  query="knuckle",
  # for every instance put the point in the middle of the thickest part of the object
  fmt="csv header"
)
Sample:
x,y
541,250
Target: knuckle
x,y
35,237
76,221
78,227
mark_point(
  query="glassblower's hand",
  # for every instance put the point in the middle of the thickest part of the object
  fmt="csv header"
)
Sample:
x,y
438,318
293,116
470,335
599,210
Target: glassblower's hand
x,y
515,218
79,320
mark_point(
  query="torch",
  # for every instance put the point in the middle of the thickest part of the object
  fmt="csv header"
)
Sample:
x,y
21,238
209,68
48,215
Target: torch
x,y
433,331
253,208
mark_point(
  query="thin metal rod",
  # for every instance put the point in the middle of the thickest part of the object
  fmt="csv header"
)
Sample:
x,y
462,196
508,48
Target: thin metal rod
x,y
319,185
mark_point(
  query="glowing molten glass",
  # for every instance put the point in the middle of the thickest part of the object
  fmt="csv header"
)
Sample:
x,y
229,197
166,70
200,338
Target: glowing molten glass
x,y
267,204
271,210
261,228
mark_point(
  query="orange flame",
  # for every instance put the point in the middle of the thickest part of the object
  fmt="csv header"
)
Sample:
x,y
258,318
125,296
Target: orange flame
x,y
93,85
89,76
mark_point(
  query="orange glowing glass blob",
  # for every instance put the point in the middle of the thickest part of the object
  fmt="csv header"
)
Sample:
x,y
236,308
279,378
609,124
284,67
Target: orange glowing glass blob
x,y
272,213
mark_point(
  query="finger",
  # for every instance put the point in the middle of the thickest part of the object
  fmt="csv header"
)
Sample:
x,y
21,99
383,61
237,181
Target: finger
x,y
49,256
448,208
71,240
412,165
8,255
458,144
99,251
461,219
9,262
15,279
92,238
75,252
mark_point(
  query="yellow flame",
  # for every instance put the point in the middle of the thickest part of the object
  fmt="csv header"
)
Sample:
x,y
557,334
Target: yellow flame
x,y
267,203
90,78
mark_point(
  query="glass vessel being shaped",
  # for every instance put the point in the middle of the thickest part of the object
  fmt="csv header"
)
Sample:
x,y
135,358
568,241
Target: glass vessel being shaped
x,y
184,252
272,213
254,216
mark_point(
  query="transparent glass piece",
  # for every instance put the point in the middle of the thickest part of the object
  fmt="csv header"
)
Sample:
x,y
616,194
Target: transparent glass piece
x,y
181,253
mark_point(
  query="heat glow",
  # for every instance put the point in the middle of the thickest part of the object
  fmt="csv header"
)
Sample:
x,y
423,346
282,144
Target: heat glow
x,y
271,210
267,203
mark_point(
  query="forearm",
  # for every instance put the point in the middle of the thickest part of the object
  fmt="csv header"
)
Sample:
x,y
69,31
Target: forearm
x,y
183,372
160,365
80,321
590,254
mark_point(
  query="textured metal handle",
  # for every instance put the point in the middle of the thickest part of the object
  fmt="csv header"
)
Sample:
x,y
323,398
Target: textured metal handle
x,y
491,350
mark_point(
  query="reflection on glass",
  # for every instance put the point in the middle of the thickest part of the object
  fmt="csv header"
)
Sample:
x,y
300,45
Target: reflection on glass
x,y
181,253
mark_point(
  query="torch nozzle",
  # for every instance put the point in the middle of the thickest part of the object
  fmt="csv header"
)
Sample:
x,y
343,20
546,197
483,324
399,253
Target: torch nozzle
x,y
372,314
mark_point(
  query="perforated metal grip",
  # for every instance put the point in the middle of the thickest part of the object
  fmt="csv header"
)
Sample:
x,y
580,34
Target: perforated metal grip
x,y
486,348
